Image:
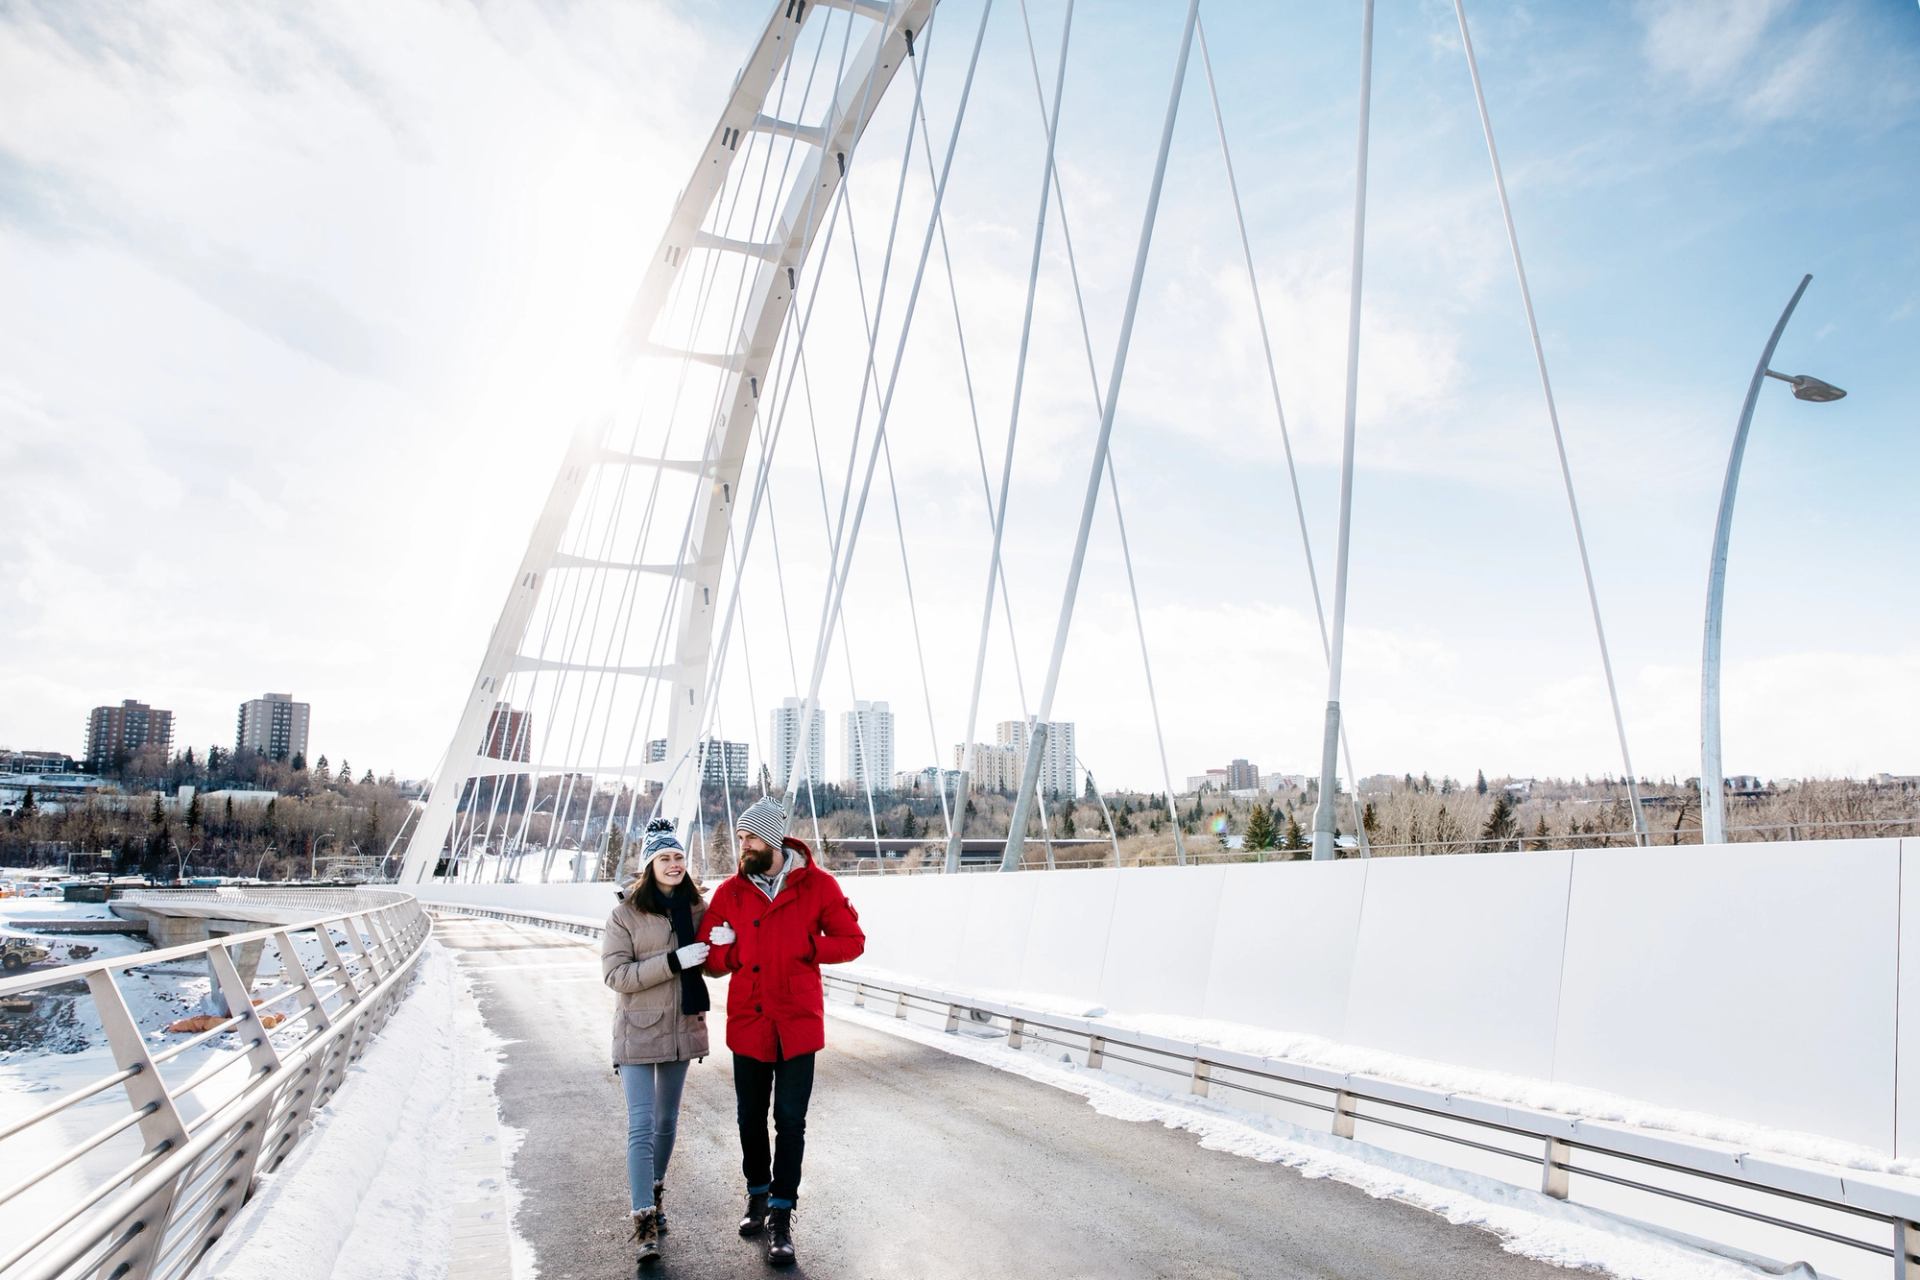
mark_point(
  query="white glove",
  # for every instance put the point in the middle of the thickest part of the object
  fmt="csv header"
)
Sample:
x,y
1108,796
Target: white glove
x,y
721,935
691,956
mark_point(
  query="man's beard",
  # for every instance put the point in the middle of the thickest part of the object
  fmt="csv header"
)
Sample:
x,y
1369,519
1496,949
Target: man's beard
x,y
757,862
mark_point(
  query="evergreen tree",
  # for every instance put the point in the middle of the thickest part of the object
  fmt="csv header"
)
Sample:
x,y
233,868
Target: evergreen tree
x,y
299,762
320,770
1542,836
1480,781
367,781
346,773
1501,828
28,805
1092,797
1260,834
610,856
1294,838
195,815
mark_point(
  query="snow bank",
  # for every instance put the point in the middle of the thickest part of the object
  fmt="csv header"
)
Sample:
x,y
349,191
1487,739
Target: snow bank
x,y
373,1191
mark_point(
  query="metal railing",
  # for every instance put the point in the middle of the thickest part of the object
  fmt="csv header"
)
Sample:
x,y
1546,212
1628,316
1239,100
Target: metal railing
x,y
134,1171
1561,1147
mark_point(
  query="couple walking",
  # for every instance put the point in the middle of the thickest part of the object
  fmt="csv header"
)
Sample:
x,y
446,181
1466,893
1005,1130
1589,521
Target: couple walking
x,y
767,929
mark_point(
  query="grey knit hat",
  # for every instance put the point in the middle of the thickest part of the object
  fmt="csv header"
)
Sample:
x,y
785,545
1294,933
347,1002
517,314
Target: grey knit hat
x,y
766,818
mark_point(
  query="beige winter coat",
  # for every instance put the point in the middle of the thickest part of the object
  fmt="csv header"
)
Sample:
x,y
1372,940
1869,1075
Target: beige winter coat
x,y
647,1023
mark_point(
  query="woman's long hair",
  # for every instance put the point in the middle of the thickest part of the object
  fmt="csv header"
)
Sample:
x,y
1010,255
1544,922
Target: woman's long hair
x,y
646,894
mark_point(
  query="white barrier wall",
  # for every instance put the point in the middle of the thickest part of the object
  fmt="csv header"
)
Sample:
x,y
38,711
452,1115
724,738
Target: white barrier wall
x,y
1763,983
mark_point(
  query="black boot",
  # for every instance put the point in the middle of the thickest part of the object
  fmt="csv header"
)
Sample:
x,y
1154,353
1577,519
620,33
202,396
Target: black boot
x,y
660,1207
646,1238
780,1237
755,1220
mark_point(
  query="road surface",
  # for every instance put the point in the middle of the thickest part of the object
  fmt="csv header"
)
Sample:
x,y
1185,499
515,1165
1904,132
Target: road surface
x,y
919,1164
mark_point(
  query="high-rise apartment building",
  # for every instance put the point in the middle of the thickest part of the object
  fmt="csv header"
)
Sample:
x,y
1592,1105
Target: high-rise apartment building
x,y
799,755
274,725
116,734
722,764
1242,776
509,734
1057,769
866,746
988,767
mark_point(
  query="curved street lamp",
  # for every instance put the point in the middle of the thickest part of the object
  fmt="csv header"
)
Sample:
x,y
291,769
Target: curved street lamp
x,y
313,852
1713,821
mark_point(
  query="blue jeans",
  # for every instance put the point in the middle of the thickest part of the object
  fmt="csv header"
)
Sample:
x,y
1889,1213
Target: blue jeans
x,y
653,1119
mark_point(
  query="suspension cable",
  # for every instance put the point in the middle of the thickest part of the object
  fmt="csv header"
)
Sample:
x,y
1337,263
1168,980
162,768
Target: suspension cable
x,y
1553,417
1113,479
1017,823
849,542
1280,415
1016,834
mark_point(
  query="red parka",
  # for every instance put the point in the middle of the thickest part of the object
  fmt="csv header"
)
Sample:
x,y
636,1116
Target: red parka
x,y
775,1008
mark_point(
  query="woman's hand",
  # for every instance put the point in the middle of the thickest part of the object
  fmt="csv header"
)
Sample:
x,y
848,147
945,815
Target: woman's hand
x,y
691,956
722,935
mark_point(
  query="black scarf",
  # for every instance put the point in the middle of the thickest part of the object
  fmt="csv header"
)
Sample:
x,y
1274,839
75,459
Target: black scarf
x,y
693,988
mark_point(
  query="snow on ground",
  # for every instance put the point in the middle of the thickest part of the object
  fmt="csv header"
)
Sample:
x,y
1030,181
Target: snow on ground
x,y
1526,1091
371,1192
1528,1223
51,909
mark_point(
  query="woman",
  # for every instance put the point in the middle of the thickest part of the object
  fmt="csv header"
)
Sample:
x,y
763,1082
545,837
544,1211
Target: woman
x,y
649,956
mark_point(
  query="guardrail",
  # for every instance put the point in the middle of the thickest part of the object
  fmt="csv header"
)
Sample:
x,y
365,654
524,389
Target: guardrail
x,y
1561,1146
133,1173
1751,1186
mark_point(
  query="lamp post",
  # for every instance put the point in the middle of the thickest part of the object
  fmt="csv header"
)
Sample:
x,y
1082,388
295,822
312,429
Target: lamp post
x,y
313,852
1713,820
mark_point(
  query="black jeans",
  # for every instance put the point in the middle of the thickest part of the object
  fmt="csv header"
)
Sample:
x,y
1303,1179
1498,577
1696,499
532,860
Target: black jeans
x,y
789,1084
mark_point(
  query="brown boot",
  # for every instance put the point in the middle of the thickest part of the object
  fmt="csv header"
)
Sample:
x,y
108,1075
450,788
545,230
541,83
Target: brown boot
x,y
660,1207
646,1237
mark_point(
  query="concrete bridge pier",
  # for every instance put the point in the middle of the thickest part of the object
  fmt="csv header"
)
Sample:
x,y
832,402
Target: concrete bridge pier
x,y
184,923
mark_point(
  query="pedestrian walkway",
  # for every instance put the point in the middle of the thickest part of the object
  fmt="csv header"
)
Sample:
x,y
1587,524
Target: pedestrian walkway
x,y
919,1164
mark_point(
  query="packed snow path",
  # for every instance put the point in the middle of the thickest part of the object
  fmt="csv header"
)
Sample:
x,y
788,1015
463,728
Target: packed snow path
x,y
919,1163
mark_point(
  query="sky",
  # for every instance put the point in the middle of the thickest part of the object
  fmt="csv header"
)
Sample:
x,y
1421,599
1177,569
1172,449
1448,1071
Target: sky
x,y
302,306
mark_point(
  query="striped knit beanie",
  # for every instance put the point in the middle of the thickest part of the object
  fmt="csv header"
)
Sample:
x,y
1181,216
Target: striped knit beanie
x,y
766,818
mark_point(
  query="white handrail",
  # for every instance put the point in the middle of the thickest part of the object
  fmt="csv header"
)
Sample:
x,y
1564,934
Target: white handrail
x,y
204,1133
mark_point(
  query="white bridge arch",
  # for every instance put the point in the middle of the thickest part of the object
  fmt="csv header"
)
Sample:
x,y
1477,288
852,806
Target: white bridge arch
x,y
828,147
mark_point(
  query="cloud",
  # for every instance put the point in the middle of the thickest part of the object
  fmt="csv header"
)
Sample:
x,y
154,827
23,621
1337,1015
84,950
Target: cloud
x,y
1706,43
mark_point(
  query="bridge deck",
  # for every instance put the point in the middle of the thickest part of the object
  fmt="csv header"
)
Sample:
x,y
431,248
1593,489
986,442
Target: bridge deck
x,y
919,1163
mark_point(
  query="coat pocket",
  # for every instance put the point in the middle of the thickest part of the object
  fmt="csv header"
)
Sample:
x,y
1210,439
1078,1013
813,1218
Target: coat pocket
x,y
642,1035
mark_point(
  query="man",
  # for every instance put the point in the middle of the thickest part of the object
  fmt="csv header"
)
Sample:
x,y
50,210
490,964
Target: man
x,y
771,926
